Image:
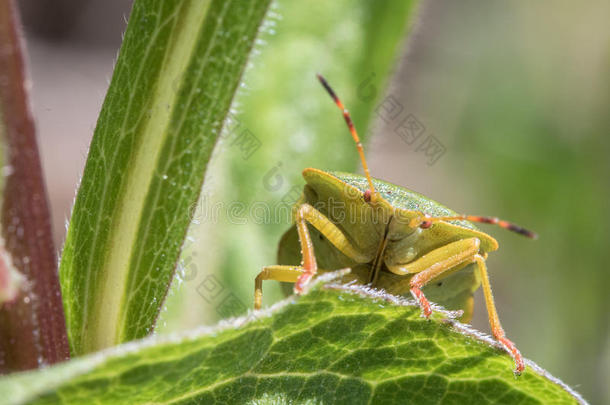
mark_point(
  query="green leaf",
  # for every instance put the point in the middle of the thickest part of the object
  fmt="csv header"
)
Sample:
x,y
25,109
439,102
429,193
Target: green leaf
x,y
175,78
339,344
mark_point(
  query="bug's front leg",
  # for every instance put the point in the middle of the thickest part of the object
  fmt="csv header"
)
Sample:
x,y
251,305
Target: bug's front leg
x,y
301,275
289,274
435,264
310,266
308,214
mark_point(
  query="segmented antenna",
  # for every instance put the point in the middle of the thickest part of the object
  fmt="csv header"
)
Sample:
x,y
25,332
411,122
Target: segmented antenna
x,y
352,130
426,222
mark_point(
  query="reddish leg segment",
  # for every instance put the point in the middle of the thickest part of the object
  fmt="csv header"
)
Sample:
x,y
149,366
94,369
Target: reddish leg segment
x,y
310,265
423,302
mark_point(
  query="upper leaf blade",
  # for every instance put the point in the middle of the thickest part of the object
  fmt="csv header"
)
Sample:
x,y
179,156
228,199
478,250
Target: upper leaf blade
x,y
347,346
177,72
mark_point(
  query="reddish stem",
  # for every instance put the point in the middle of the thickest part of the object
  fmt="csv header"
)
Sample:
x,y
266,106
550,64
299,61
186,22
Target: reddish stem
x,y
32,327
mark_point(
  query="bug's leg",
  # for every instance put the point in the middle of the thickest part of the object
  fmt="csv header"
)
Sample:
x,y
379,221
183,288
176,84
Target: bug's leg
x,y
494,321
288,274
300,275
332,233
310,266
434,264
308,214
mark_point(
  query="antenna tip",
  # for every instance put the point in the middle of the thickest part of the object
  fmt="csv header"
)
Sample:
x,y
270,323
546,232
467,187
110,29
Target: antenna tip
x,y
523,231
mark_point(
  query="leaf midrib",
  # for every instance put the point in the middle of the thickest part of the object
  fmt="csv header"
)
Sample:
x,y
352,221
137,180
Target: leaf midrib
x,y
146,222
140,174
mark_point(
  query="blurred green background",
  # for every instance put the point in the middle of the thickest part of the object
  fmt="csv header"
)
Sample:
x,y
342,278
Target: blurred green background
x,y
516,93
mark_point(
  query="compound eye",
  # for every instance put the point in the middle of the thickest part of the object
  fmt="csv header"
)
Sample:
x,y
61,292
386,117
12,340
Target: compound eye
x,y
367,196
426,224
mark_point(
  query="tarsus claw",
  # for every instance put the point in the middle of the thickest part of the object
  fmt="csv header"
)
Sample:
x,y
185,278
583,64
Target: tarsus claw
x,y
515,354
423,302
302,282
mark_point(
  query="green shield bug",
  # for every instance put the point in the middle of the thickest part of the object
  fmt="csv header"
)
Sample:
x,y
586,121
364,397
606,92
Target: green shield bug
x,y
391,238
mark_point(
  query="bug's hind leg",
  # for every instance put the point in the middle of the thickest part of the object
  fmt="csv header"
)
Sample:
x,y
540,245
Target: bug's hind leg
x,y
289,274
494,321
